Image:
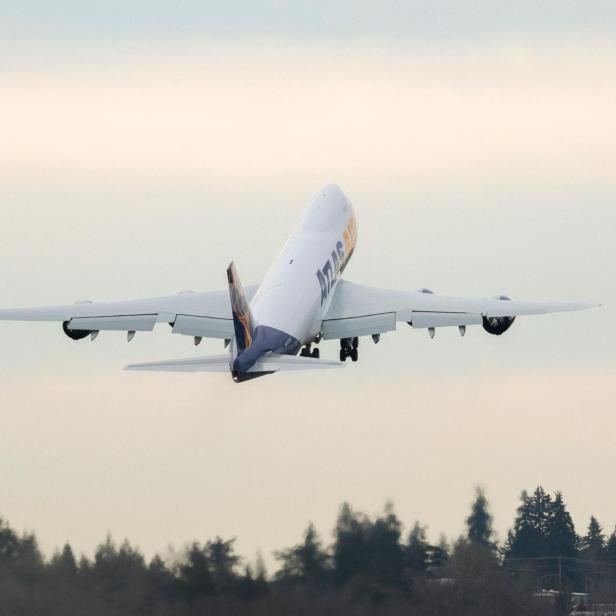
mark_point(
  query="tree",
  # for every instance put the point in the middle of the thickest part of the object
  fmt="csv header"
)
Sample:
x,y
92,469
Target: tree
x,y
368,549
561,539
160,578
610,548
194,574
222,562
528,538
417,550
63,563
438,555
9,543
479,522
350,549
593,543
306,563
253,585
385,555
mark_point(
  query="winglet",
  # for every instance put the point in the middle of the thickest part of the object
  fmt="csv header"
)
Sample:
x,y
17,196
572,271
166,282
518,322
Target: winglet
x,y
243,321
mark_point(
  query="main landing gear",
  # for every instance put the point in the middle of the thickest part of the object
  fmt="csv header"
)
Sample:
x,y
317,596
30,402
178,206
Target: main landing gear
x,y
306,352
348,348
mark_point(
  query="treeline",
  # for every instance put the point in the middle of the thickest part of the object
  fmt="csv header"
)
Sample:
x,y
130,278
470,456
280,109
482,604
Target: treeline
x,y
543,528
370,567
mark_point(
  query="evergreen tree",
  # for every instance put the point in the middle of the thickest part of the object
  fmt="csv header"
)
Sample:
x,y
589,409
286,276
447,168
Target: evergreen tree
x,y
160,578
9,543
438,556
306,563
610,548
350,549
385,555
479,522
528,538
417,550
195,576
222,562
593,543
561,539
64,563
27,559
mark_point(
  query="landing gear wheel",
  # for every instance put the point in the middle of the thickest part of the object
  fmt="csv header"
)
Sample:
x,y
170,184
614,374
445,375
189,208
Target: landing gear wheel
x,y
345,348
355,343
315,353
305,352
354,354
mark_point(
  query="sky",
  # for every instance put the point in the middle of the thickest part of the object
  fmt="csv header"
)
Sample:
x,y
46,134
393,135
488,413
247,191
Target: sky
x,y
477,143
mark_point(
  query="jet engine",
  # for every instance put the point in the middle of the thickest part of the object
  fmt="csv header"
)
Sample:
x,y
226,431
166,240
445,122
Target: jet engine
x,y
498,325
75,334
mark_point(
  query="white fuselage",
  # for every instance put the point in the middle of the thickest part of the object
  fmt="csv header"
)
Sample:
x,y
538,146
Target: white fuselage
x,y
300,284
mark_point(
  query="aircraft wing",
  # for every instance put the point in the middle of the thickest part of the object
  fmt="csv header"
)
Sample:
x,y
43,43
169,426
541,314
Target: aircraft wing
x,y
358,310
205,314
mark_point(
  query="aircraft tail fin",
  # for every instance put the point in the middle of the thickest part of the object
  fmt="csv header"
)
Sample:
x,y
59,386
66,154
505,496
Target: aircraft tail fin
x,y
243,321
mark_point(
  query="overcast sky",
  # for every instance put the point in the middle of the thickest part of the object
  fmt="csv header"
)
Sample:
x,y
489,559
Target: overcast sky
x,y
145,145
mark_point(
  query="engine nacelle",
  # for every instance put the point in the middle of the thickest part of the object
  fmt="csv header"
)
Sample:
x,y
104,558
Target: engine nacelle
x,y
498,325
75,334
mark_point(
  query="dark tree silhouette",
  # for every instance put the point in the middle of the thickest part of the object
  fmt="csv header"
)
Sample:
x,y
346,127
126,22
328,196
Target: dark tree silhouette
x,y
592,545
306,563
367,563
529,534
222,562
610,548
561,539
385,555
64,563
350,550
417,550
479,522
195,577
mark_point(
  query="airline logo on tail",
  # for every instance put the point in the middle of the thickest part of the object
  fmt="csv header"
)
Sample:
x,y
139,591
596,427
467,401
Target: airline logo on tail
x,y
243,322
334,266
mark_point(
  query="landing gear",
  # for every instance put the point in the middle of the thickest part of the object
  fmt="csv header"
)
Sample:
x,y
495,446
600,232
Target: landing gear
x,y
348,348
306,352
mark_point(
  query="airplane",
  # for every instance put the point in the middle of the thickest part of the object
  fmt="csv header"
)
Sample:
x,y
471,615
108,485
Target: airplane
x,y
303,299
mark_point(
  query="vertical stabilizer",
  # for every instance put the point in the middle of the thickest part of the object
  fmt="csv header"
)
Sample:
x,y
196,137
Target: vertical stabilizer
x,y
243,321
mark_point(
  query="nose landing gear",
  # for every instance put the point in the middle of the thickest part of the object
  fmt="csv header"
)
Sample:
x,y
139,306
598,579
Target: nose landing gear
x,y
348,348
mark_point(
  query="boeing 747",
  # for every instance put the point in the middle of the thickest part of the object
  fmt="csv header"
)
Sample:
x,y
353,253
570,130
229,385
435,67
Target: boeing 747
x,y
277,325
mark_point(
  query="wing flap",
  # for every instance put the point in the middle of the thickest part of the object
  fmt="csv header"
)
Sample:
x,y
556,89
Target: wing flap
x,y
359,326
137,323
205,314
356,308
443,319
206,327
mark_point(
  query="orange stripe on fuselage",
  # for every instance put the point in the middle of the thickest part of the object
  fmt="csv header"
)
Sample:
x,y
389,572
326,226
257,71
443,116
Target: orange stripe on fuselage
x,y
349,237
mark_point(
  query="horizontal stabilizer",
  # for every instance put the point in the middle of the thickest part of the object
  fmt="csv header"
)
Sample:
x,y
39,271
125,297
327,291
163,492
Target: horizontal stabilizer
x,y
220,363
274,362
213,363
